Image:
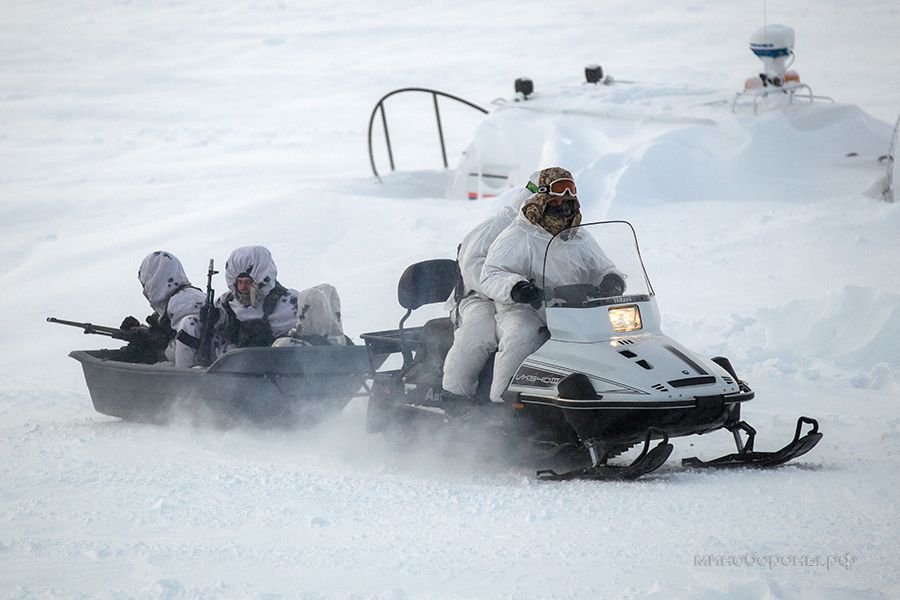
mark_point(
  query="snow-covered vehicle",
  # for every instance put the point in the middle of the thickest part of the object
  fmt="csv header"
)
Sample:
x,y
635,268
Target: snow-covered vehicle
x,y
289,385
607,379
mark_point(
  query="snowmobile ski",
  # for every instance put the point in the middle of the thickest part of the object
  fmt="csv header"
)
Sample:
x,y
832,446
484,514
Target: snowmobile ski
x,y
647,461
747,457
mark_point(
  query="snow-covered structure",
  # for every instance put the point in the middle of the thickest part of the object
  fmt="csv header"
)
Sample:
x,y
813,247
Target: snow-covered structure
x,y
652,142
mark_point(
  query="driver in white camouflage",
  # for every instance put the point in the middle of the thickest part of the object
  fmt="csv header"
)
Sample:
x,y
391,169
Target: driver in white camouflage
x,y
514,268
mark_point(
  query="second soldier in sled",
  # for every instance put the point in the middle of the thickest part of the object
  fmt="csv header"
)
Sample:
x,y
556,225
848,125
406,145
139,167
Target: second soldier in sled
x,y
257,309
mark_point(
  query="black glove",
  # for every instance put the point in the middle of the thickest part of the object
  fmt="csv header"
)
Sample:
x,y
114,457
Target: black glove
x,y
526,292
153,321
129,323
611,285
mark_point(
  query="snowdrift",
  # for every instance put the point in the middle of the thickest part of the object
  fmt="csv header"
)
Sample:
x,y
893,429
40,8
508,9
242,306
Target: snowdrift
x,y
636,142
853,328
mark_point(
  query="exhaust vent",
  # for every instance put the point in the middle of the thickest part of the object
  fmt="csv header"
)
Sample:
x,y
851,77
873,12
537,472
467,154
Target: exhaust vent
x,y
692,381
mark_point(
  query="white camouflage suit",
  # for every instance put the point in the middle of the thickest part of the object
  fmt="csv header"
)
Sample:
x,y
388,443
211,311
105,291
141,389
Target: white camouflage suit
x,y
315,311
475,336
318,315
518,255
166,287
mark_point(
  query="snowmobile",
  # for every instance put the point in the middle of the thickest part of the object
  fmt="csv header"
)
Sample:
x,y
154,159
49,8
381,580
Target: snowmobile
x,y
607,379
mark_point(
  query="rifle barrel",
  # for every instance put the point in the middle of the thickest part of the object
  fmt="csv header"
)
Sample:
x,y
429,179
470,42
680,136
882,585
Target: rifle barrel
x,y
204,352
91,328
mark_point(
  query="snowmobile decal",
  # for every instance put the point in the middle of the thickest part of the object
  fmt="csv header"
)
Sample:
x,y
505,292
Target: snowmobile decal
x,y
687,360
619,388
532,377
607,386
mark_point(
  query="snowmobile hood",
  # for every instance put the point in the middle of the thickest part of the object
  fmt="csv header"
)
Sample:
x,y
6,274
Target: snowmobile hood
x,y
161,275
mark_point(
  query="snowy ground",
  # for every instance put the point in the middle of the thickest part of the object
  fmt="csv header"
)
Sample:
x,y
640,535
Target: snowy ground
x,y
198,127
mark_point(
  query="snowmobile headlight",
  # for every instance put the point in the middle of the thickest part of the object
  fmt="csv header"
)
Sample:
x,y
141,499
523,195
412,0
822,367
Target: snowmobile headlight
x,y
625,318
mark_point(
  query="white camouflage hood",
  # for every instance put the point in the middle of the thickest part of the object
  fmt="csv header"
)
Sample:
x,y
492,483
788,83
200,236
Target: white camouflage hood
x,y
319,313
524,194
255,261
161,274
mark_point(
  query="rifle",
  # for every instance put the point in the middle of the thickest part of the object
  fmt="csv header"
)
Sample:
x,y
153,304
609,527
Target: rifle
x,y
208,317
135,334
145,344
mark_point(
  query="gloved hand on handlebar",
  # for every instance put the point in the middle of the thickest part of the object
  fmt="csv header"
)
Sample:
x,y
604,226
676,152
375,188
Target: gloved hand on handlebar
x,y
525,292
611,285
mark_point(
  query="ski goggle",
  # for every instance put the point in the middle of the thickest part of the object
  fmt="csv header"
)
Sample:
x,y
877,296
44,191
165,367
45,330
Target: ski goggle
x,y
557,187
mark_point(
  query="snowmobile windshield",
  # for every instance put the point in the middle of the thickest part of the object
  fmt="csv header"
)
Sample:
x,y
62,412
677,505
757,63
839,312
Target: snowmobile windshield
x,y
594,264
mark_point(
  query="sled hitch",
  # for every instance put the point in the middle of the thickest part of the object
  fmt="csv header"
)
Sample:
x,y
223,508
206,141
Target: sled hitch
x,y
647,461
746,456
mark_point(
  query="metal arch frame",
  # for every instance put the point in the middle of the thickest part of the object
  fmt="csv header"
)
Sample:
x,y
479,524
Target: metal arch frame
x,y
437,114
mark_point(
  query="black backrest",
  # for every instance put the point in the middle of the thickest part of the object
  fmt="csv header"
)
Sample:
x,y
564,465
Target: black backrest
x,y
427,282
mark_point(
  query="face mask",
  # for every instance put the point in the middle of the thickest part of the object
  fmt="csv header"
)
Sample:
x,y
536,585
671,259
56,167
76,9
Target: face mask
x,y
560,210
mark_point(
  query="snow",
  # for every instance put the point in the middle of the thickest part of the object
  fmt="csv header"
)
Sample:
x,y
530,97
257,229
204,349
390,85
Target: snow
x,y
199,127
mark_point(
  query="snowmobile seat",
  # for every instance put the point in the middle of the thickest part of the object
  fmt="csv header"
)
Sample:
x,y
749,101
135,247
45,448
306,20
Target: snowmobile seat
x,y
427,366
424,283
427,282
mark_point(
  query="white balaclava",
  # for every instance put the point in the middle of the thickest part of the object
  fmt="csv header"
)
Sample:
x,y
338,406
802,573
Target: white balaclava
x,y
161,275
255,262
